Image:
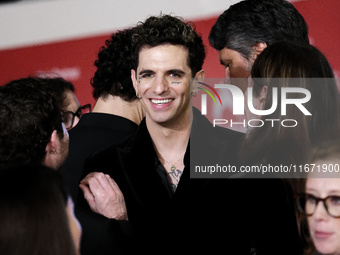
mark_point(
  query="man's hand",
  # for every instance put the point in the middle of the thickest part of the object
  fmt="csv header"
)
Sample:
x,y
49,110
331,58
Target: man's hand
x,y
104,196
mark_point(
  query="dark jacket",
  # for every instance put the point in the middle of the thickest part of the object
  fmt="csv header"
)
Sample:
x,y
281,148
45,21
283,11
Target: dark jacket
x,y
203,216
94,132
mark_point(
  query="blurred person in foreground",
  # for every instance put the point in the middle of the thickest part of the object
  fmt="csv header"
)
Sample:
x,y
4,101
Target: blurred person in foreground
x,y
36,214
34,140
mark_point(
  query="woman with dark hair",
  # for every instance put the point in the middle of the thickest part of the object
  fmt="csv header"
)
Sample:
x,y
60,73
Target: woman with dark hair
x,y
36,214
282,67
287,65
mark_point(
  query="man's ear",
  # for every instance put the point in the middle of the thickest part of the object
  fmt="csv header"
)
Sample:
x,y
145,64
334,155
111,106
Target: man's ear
x,y
258,48
199,77
54,143
53,149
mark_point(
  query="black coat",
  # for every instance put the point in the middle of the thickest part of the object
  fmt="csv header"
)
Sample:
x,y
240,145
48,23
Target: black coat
x,y
94,132
203,216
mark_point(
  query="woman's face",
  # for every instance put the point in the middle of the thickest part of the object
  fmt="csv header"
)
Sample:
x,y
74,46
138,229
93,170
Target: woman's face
x,y
324,229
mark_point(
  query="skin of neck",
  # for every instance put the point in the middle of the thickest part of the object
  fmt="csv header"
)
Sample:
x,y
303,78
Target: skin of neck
x,y
170,140
117,106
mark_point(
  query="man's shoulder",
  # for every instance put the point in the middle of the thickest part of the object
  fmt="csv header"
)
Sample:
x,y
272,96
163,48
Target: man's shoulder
x,y
120,151
97,125
203,129
108,153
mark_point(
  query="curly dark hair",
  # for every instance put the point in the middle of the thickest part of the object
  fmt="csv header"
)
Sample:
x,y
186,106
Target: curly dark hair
x,y
166,29
114,64
29,113
251,21
60,87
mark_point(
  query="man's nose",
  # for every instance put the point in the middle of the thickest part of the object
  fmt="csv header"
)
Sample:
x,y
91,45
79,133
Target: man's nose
x,y
161,85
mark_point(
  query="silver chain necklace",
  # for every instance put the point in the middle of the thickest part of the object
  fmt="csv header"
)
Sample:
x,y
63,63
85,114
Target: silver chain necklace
x,y
173,167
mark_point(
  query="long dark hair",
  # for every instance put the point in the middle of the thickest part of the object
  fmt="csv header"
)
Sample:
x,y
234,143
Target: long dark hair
x,y
33,217
276,66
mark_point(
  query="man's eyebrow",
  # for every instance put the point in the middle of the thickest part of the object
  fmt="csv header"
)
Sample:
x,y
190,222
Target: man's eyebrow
x,y
145,71
179,71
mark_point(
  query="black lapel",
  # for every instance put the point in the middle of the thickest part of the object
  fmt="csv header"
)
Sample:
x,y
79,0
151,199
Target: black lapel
x,y
138,166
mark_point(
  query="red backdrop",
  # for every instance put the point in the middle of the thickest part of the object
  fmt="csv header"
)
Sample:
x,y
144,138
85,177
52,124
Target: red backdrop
x,y
73,59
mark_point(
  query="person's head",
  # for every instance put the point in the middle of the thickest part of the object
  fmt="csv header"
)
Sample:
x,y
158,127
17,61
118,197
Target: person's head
x,y
36,214
64,93
323,216
242,32
286,65
169,53
63,90
31,124
114,64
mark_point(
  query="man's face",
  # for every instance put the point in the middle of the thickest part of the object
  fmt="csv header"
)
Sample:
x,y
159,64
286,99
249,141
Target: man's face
x,y
62,148
65,144
236,66
71,104
57,149
162,81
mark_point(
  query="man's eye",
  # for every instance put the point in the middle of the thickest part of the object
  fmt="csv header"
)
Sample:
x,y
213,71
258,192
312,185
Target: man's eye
x,y
145,75
177,75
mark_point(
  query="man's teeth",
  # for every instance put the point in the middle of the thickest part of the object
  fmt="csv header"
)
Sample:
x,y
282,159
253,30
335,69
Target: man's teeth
x,y
162,101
